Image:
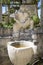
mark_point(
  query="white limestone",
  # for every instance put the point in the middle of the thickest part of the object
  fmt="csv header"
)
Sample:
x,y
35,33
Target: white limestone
x,y
21,56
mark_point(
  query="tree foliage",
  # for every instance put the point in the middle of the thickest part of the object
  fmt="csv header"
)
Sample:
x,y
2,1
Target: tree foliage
x,y
8,1
36,1
5,1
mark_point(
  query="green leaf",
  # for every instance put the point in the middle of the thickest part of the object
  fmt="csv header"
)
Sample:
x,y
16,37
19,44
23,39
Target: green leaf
x,y
6,1
36,20
13,21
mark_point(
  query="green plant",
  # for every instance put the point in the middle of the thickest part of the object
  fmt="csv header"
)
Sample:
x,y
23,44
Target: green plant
x,y
5,1
13,21
36,20
6,25
12,10
1,25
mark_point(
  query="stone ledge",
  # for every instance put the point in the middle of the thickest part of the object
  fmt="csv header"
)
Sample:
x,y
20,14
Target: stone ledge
x,y
5,37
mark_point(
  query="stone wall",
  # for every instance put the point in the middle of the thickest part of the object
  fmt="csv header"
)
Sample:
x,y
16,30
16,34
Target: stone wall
x,y
4,59
3,32
23,35
40,40
40,45
39,34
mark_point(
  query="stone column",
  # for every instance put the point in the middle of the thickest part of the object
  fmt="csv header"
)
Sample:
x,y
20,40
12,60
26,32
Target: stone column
x,y
0,12
40,35
42,12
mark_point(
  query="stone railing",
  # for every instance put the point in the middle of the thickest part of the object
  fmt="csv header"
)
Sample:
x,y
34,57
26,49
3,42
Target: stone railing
x,y
5,32
22,35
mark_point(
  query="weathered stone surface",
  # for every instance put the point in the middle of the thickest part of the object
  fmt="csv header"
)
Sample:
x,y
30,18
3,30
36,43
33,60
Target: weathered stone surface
x,y
0,12
26,1
23,16
40,45
30,9
3,32
39,34
4,59
4,40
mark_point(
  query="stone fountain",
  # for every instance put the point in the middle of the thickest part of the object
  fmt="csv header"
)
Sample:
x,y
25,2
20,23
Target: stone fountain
x,y
23,55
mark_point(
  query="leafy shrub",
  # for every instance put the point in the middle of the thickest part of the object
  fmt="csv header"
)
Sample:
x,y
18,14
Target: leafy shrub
x,y
1,25
12,20
36,20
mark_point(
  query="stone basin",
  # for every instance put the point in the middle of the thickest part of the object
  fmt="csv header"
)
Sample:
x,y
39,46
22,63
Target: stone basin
x,y
21,52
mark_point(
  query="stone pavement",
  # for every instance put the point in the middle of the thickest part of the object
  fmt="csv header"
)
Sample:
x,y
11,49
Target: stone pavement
x,y
4,59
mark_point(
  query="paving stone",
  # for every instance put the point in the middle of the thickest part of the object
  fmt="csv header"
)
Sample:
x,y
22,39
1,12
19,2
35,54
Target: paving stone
x,y
4,60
